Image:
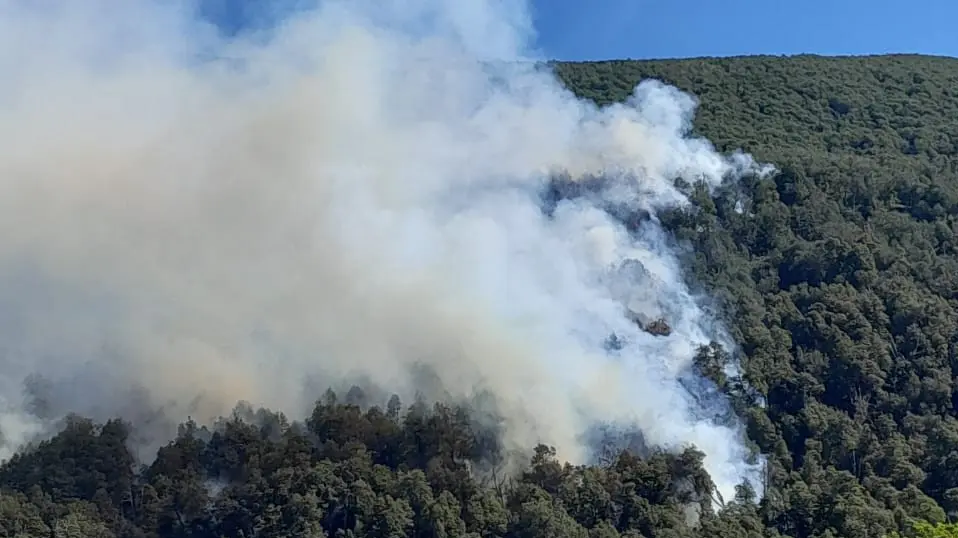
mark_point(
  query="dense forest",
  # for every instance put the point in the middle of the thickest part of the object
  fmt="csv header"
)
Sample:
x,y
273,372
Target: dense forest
x,y
838,277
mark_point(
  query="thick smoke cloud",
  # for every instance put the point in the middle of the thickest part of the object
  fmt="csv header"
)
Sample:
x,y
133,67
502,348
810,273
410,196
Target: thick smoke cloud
x,y
190,218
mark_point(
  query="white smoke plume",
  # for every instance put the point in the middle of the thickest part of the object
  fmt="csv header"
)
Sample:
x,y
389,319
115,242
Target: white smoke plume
x,y
188,220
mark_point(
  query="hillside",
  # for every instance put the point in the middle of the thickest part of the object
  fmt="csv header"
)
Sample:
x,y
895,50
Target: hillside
x,y
838,278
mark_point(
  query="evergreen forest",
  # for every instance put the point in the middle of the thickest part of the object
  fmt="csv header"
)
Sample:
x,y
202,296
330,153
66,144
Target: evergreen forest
x,y
837,276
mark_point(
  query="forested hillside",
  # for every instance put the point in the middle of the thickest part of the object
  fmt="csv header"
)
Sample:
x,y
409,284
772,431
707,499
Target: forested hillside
x,y
838,277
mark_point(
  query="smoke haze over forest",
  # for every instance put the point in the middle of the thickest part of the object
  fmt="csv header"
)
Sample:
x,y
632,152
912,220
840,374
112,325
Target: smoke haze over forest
x,y
190,218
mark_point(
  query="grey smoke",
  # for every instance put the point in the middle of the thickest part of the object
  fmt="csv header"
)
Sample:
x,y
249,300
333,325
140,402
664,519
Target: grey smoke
x,y
188,220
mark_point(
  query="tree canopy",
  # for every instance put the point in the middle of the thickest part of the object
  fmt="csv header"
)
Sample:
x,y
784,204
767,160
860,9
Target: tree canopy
x,y
837,276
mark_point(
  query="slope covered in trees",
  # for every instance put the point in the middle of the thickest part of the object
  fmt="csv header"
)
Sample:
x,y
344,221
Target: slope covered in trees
x,y
838,277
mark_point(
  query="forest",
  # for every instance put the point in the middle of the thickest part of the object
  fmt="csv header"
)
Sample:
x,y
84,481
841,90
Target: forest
x,y
838,278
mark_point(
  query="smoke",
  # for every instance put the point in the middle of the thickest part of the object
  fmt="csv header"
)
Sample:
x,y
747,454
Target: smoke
x,y
189,218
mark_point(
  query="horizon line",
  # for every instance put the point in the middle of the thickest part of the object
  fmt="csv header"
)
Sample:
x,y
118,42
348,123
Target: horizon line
x,y
759,55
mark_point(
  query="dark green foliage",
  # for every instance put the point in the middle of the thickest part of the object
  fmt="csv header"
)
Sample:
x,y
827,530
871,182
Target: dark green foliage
x,y
838,277
407,475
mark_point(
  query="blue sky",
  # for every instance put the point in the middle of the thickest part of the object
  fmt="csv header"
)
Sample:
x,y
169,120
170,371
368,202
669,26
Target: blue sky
x,y
603,29
607,29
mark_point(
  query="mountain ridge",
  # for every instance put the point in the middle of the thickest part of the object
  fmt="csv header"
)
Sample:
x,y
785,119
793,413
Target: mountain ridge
x,y
838,278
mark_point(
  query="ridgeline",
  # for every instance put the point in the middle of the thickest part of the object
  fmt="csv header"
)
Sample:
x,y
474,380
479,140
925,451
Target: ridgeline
x,y
838,277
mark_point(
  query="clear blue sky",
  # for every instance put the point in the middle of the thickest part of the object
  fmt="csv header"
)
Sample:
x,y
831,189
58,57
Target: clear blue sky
x,y
607,29
603,29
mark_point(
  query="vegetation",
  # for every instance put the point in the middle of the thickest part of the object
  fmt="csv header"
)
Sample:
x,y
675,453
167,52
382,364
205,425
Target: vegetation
x,y
839,277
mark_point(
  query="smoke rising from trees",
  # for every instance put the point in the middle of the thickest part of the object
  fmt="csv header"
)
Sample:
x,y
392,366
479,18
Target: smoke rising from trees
x,y
188,220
